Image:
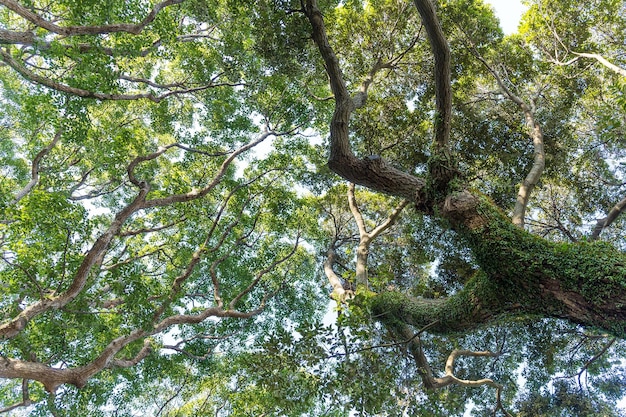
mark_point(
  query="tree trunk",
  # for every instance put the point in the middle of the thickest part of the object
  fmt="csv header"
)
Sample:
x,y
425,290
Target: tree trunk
x,y
582,282
522,274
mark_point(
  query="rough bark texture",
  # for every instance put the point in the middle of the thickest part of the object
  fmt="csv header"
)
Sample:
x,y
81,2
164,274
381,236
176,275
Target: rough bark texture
x,y
373,171
523,274
583,282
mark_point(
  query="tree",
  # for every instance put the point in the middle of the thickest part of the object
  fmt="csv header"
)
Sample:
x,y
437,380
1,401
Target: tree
x,y
148,252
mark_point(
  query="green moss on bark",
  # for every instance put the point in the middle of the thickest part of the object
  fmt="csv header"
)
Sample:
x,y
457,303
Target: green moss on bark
x,y
479,302
583,282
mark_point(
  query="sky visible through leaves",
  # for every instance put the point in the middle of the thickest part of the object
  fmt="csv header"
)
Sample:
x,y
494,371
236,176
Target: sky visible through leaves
x,y
509,12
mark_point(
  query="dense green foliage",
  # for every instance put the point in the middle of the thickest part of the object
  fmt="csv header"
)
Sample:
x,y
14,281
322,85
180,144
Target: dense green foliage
x,y
167,214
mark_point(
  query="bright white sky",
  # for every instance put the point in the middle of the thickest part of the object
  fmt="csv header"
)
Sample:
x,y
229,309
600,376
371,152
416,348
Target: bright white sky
x,y
509,12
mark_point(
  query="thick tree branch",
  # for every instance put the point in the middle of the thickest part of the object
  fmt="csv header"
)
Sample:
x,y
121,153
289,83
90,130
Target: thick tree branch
x,y
443,90
524,274
16,37
38,21
339,292
365,237
373,171
609,219
141,355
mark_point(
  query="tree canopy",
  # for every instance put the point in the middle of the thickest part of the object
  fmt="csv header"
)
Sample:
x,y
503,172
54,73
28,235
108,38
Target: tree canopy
x,y
312,207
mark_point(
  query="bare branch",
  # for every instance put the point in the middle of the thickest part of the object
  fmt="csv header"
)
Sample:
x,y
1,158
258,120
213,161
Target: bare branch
x,y
366,237
263,272
339,292
178,391
449,378
599,58
603,61
609,219
151,229
356,213
536,134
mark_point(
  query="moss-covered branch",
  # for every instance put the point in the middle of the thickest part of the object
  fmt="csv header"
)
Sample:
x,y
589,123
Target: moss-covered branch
x,y
521,273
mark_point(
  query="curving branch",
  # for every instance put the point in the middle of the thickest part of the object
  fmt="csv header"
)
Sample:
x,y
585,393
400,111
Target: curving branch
x,y
432,382
93,257
195,194
35,169
80,92
602,60
141,355
52,377
339,294
372,172
609,219
55,85
133,28
536,134
443,89
579,55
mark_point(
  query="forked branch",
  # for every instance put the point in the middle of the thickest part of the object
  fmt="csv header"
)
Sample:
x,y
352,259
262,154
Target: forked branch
x,y
35,168
449,378
372,172
366,237
536,135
